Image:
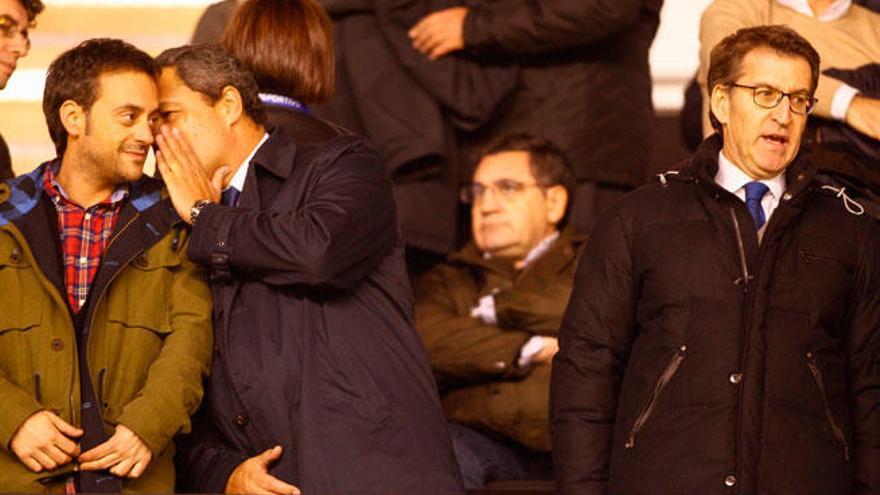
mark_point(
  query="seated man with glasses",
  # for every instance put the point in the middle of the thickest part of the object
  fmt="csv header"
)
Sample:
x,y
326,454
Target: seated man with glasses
x,y
723,332
489,315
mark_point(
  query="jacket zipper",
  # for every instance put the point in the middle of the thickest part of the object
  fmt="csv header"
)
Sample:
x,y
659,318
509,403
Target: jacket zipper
x,y
820,384
742,252
101,375
667,374
88,343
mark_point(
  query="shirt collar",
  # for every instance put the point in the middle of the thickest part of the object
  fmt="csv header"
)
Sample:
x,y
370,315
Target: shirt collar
x,y
237,180
732,178
57,193
837,10
536,251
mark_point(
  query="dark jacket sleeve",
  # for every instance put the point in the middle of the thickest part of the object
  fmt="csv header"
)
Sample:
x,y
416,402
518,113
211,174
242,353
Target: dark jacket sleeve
x,y
5,162
459,346
343,228
528,27
204,460
594,342
863,350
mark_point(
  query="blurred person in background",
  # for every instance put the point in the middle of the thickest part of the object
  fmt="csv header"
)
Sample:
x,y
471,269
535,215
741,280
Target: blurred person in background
x,y
489,315
584,82
213,21
16,19
288,46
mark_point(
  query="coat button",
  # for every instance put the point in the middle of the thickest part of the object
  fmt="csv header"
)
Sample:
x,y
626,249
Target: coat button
x,y
15,257
499,365
735,378
730,480
241,419
57,344
141,261
786,196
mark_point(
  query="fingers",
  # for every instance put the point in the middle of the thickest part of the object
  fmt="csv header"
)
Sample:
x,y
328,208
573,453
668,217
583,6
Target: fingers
x,y
123,467
101,463
32,464
45,461
65,427
66,445
138,469
99,452
219,177
274,485
57,455
270,456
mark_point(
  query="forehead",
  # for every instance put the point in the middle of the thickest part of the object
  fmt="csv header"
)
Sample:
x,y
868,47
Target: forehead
x,y
15,10
504,165
127,88
172,90
763,66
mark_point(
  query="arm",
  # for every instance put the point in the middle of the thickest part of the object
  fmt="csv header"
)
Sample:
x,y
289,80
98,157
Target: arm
x,y
345,226
863,350
529,27
594,342
173,387
460,346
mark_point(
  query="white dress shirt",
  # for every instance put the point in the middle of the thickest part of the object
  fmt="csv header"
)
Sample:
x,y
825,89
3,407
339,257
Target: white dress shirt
x,y
237,180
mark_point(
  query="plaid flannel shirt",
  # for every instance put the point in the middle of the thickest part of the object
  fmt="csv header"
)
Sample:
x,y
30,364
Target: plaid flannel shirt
x,y
85,233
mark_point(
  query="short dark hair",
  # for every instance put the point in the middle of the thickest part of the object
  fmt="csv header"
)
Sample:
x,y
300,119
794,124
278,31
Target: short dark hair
x,y
547,162
32,7
725,60
287,45
74,76
207,69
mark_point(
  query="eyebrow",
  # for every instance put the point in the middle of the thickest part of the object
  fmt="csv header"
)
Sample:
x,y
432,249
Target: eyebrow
x,y
761,84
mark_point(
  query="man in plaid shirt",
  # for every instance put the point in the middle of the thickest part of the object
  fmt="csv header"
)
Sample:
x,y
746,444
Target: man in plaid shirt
x,y
105,324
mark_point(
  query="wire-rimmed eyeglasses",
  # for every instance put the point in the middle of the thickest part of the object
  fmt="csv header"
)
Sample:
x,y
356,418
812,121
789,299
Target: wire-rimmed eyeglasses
x,y
504,189
767,97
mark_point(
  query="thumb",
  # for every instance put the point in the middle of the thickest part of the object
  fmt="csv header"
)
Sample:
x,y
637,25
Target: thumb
x,y
65,427
270,456
218,177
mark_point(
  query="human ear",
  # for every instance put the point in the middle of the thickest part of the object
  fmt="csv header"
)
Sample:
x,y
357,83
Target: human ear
x,y
557,201
720,102
73,118
230,105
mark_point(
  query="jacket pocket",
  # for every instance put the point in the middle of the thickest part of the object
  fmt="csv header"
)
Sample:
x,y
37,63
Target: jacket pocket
x,y
836,430
664,379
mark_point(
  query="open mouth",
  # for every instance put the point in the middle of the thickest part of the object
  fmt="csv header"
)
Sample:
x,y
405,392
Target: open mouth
x,y
775,139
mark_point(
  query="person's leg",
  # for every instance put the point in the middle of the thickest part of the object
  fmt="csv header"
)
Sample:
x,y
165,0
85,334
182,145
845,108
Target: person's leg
x,y
483,459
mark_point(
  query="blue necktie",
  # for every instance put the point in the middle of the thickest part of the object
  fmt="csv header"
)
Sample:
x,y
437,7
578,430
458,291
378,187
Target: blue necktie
x,y
229,196
755,191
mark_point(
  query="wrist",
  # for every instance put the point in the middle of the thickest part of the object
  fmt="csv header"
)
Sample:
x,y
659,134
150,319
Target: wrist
x,y
196,209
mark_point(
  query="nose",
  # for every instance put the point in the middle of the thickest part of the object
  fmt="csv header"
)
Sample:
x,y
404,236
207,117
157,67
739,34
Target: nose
x,y
782,112
19,44
143,132
488,202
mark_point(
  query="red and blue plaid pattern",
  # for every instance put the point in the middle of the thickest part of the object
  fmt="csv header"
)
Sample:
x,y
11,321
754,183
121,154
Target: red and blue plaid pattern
x,y
85,233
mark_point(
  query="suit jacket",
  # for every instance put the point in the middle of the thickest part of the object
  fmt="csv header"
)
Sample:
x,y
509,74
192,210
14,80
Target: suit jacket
x,y
316,349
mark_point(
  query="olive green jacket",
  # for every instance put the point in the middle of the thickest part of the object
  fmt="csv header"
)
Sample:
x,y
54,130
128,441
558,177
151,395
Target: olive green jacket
x,y
150,339
476,363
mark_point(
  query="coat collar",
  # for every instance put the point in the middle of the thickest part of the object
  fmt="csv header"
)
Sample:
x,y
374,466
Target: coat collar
x,y
25,191
703,166
277,154
555,259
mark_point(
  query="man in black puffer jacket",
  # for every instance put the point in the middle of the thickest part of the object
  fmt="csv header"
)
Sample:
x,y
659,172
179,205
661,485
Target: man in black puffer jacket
x,y
722,333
